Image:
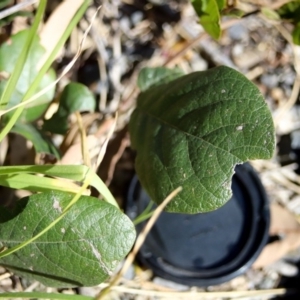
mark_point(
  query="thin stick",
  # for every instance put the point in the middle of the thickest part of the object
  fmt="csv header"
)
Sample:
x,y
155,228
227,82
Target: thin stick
x,y
14,9
280,112
139,242
5,276
84,146
200,295
104,145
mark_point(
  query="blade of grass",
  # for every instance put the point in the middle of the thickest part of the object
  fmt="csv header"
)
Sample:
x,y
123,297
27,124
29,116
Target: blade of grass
x,y
28,95
36,183
65,211
103,189
13,79
77,173
84,147
146,214
41,295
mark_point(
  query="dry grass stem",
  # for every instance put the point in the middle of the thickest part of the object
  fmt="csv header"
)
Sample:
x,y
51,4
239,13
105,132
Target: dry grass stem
x,y
104,145
198,295
4,276
84,145
65,71
16,8
139,242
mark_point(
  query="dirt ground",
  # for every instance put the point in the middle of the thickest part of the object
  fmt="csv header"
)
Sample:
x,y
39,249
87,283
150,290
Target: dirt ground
x,y
128,35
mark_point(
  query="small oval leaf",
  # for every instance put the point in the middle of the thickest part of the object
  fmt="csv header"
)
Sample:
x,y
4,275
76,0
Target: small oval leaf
x,y
208,11
9,52
191,132
83,249
75,97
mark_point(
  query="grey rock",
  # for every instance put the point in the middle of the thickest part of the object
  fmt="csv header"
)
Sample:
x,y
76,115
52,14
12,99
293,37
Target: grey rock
x,y
270,80
238,32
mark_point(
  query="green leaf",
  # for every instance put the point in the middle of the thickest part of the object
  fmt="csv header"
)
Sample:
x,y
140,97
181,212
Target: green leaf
x,y
4,3
75,97
221,4
296,34
77,173
208,11
83,249
290,11
40,141
270,13
47,62
192,131
11,17
35,183
43,295
149,77
9,53
233,12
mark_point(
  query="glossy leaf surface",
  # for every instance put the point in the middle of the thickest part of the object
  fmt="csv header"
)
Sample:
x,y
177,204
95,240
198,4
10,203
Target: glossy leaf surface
x,y
191,132
83,249
155,76
40,141
75,97
9,52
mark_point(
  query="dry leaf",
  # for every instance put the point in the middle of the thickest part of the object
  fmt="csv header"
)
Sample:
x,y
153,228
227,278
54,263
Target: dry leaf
x,y
57,24
282,223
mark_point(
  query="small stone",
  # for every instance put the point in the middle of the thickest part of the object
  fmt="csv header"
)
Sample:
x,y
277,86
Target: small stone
x,y
89,291
269,281
237,49
270,80
238,32
284,268
137,17
170,284
6,282
277,94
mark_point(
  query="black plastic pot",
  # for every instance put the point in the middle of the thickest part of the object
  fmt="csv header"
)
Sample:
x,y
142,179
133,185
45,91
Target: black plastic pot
x,y
209,248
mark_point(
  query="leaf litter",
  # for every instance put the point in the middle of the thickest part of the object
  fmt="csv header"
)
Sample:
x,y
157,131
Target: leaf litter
x,y
128,35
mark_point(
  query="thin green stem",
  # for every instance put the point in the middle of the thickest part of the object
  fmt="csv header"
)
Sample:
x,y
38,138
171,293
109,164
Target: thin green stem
x,y
41,295
46,65
13,80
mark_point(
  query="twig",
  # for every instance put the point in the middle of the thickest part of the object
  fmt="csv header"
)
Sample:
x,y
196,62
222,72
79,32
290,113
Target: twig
x,y
199,295
4,276
296,87
139,242
14,9
84,145
105,143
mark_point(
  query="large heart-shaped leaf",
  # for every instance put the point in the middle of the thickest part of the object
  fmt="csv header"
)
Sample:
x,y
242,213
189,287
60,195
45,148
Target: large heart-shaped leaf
x,y
149,77
82,249
191,132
